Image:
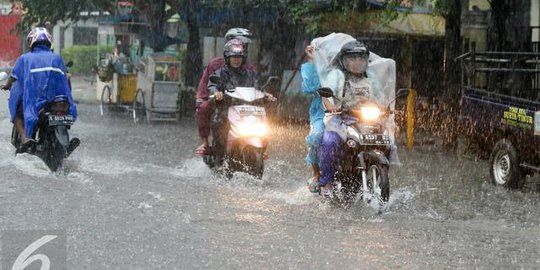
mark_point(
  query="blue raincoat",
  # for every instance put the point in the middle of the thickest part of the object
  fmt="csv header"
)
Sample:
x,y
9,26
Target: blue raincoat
x,y
310,84
41,77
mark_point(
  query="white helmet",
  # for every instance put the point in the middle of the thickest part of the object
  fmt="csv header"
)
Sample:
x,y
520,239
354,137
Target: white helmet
x,y
38,34
241,34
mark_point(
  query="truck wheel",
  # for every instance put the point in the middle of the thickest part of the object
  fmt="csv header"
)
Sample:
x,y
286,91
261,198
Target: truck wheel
x,y
504,166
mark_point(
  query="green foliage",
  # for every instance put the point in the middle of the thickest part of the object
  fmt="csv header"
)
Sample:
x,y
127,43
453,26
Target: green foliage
x,y
84,57
39,12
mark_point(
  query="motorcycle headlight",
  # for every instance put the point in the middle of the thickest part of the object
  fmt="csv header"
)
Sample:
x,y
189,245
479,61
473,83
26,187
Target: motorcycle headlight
x,y
252,127
370,113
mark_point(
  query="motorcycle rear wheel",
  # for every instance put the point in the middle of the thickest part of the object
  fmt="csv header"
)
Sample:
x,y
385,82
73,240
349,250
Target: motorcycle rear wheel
x,y
55,153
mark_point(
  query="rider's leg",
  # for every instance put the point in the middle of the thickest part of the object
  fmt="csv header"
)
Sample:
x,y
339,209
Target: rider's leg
x,y
330,153
18,122
313,141
220,129
203,113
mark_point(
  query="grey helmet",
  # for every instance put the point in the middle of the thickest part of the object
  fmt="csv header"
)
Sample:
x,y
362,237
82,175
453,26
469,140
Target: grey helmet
x,y
242,34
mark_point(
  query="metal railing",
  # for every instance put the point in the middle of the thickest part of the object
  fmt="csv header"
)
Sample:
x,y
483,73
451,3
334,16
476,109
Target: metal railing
x,y
510,73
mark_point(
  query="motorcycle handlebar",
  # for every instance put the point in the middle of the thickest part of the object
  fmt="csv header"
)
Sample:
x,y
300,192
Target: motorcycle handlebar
x,y
213,98
328,112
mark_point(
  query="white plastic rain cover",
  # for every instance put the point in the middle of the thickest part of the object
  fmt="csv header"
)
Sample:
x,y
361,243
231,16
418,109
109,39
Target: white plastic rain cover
x,y
325,50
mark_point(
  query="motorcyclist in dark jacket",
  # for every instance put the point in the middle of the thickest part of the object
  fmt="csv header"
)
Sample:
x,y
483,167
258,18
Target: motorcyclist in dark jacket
x,y
204,109
233,74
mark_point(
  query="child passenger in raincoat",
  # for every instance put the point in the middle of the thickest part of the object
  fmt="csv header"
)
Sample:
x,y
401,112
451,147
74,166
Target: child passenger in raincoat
x,y
310,84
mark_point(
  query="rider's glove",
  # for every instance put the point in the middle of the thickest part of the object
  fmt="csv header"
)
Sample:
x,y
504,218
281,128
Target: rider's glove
x,y
270,97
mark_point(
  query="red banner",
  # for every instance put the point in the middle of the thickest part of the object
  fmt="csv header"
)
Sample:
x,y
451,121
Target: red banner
x,y
10,46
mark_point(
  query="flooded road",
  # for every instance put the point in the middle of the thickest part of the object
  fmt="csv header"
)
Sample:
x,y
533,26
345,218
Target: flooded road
x,y
135,197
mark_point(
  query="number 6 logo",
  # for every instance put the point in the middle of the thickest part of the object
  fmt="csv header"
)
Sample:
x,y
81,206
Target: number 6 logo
x,y
24,260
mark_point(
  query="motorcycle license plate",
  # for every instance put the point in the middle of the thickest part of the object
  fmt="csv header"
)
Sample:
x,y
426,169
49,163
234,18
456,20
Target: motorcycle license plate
x,y
251,110
60,120
374,139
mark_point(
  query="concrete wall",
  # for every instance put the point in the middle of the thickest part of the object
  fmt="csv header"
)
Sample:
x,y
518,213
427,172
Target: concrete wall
x,y
67,40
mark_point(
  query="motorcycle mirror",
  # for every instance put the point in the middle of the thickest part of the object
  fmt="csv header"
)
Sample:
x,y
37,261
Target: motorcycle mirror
x,y
3,76
325,92
402,93
272,81
272,85
69,64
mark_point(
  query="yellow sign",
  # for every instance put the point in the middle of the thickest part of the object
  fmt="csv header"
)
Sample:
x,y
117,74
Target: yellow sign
x,y
517,117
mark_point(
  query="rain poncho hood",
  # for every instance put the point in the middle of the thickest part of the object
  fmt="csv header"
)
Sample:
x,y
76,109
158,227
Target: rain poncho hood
x,y
41,77
381,72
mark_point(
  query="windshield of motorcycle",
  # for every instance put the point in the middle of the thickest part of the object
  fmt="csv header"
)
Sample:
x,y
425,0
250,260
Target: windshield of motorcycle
x,y
248,94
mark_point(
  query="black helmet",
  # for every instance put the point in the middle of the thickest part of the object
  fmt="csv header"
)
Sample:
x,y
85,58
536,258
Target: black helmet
x,y
234,47
353,47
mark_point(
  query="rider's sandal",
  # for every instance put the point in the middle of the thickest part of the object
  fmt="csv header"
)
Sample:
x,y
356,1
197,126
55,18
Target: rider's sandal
x,y
25,147
73,143
313,186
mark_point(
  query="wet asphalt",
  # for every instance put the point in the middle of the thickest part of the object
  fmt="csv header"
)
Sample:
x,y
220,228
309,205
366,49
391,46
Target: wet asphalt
x,y
133,196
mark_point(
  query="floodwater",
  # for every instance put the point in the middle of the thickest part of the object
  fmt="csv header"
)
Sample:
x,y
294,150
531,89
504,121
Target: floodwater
x,y
134,197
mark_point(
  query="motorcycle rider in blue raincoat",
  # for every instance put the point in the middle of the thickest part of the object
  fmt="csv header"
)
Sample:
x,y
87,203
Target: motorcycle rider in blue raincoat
x,y
310,84
38,78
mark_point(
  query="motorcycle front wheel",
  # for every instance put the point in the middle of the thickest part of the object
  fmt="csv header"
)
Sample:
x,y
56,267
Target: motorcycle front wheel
x,y
378,182
253,159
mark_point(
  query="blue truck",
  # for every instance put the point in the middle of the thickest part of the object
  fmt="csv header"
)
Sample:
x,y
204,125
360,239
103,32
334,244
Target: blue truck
x,y
500,112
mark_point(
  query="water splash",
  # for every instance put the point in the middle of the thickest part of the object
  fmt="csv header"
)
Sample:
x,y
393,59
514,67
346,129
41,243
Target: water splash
x,y
299,196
